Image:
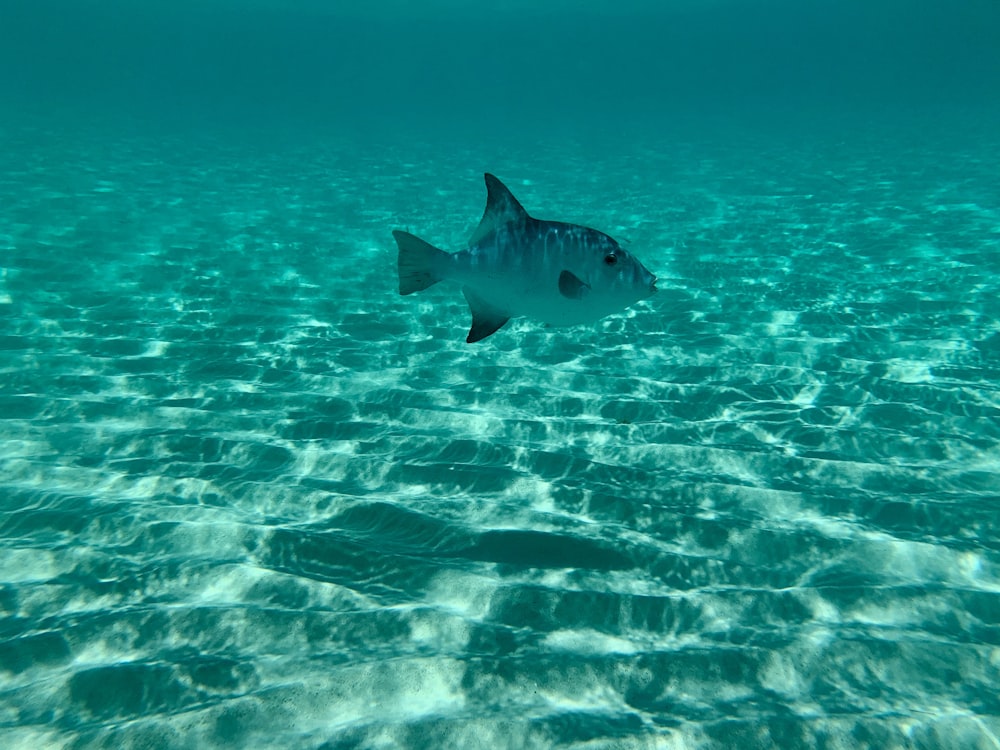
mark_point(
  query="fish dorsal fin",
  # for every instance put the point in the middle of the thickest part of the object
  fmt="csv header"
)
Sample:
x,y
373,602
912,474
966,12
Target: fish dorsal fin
x,y
501,208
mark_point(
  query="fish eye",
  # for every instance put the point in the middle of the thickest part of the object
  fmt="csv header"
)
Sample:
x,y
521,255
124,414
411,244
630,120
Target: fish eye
x,y
610,259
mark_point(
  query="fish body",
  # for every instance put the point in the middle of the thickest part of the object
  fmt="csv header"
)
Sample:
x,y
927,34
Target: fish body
x,y
558,273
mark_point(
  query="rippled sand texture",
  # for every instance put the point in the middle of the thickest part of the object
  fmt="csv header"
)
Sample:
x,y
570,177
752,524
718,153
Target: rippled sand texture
x,y
252,497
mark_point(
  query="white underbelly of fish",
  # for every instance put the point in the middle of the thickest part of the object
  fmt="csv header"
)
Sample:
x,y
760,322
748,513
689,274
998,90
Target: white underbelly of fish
x,y
537,302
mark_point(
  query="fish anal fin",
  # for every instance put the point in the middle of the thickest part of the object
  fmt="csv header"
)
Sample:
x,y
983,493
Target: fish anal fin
x,y
486,319
501,208
571,287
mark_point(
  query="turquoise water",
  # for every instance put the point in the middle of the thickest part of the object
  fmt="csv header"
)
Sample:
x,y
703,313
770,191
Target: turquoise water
x,y
252,497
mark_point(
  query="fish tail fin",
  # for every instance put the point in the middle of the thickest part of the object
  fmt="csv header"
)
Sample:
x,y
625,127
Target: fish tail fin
x,y
420,263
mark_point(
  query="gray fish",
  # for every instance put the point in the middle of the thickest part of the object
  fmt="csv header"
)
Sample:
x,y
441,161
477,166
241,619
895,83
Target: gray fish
x,y
561,274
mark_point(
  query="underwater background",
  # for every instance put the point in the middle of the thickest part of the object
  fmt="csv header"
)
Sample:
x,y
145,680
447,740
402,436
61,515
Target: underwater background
x,y
252,497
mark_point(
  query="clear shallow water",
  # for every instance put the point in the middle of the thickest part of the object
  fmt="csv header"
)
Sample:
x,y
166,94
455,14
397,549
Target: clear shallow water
x,y
252,497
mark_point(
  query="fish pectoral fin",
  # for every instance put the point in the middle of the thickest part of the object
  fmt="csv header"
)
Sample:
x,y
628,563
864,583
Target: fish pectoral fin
x,y
571,287
486,319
